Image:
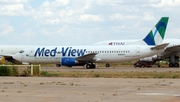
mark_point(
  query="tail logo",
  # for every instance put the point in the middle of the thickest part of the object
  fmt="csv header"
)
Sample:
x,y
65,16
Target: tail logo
x,y
156,35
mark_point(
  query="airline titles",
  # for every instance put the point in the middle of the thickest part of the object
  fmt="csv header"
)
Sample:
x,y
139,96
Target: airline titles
x,y
66,51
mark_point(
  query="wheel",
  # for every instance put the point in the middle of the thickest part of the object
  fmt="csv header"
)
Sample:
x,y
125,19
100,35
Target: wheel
x,y
93,66
176,65
107,65
171,65
58,65
88,66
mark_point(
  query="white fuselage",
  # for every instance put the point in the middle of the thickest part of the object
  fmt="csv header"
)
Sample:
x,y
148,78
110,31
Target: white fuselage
x,y
172,42
9,50
53,54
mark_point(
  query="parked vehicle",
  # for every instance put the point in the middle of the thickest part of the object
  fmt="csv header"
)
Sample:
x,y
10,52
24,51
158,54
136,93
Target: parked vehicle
x,y
143,64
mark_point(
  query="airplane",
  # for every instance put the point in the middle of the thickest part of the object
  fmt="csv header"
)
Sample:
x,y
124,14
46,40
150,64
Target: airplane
x,y
171,52
7,51
88,55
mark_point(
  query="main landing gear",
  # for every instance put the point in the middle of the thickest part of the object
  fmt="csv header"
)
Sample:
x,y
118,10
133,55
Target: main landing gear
x,y
90,66
107,65
58,65
173,61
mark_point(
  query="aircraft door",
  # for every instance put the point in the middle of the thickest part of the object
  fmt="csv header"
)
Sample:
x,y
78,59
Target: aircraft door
x,y
137,51
31,52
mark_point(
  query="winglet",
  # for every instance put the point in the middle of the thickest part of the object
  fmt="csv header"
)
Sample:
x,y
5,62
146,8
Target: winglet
x,y
156,35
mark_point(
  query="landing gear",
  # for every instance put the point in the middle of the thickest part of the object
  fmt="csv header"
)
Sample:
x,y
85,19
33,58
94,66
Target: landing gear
x,y
173,61
176,65
90,66
107,65
69,66
58,65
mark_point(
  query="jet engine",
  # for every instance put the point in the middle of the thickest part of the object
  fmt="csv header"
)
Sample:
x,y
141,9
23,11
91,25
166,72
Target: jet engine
x,y
68,61
2,59
152,58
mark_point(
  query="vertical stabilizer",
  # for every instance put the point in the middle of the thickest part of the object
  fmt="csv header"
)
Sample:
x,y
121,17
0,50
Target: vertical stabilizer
x,y
156,35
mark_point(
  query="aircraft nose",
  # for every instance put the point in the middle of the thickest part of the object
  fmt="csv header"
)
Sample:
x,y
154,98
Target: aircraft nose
x,y
17,57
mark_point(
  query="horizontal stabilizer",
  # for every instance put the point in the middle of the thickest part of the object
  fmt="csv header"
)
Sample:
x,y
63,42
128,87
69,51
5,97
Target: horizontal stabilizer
x,y
162,46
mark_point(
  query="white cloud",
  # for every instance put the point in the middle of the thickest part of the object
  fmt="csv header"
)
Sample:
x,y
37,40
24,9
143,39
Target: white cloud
x,y
15,9
11,9
44,31
108,2
56,3
28,33
147,16
167,3
118,28
58,20
64,31
175,31
52,13
118,16
90,17
5,29
67,14
14,1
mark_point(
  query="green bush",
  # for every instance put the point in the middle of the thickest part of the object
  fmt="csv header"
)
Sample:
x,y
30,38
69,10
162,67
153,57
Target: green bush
x,y
15,70
44,73
5,71
26,72
48,74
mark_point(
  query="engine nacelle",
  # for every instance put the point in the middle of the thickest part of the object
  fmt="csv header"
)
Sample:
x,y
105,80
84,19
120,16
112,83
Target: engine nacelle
x,y
2,59
155,58
68,61
152,58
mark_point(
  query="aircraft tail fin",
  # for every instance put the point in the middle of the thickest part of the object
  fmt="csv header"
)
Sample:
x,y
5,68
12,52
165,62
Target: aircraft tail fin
x,y
156,35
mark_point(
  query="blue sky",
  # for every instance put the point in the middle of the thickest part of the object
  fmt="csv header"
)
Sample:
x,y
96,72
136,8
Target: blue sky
x,y
83,22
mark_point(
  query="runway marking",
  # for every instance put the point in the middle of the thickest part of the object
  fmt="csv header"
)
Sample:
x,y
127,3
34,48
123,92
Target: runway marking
x,y
158,94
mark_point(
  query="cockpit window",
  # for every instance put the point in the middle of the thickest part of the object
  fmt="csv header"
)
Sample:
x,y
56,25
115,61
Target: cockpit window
x,y
21,51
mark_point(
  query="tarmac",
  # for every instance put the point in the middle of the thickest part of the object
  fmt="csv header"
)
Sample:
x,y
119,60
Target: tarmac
x,y
60,89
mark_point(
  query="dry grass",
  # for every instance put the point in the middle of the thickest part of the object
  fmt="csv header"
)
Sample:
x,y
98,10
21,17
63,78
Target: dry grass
x,y
94,74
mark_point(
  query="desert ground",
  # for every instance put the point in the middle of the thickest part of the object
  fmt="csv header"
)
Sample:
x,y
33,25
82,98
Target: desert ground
x,y
62,89
128,68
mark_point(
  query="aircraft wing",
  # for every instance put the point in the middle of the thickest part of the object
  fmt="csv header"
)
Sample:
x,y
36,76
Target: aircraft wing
x,y
162,46
173,48
88,57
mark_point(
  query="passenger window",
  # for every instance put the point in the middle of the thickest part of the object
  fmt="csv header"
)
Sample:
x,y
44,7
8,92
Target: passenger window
x,y
21,51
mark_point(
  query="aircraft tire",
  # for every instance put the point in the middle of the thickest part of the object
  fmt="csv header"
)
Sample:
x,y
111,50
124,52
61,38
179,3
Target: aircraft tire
x,y
88,66
176,65
58,65
107,65
171,65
